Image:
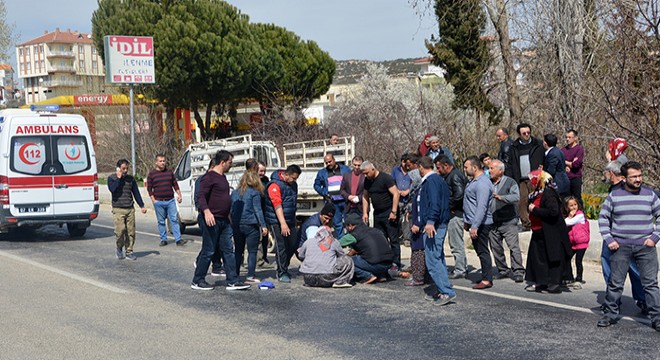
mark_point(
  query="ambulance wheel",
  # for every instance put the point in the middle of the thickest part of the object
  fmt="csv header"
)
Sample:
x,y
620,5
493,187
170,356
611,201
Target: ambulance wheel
x,y
76,230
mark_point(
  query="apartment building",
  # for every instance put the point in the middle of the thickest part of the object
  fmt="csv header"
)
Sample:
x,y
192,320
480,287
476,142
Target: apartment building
x,y
6,83
59,63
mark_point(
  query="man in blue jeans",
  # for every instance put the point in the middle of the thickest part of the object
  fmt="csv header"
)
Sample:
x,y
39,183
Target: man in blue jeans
x,y
626,224
161,186
433,212
613,175
328,185
215,205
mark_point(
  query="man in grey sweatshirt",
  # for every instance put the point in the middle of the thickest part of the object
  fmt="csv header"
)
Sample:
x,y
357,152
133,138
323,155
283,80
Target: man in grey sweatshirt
x,y
478,217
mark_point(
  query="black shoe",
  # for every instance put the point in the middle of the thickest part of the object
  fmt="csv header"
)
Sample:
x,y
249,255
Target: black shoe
x,y
502,275
202,285
656,325
181,242
518,278
554,289
643,308
606,321
454,276
163,243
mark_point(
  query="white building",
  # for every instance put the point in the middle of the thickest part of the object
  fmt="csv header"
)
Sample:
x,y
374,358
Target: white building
x,y
6,83
59,63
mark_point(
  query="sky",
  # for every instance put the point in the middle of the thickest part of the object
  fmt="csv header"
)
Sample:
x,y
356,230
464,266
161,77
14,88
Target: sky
x,y
346,29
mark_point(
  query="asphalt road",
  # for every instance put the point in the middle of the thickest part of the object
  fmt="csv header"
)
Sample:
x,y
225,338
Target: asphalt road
x,y
72,299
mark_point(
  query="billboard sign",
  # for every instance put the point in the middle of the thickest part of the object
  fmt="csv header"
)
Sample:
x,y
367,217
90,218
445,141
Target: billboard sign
x,y
129,59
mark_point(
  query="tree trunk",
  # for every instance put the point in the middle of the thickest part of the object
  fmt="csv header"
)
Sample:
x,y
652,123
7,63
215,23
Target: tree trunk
x,y
500,19
568,30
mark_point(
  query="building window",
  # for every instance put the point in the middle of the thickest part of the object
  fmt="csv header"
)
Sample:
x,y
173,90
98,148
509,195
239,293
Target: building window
x,y
95,65
93,50
28,67
27,51
43,65
81,50
21,66
41,49
36,50
20,52
81,64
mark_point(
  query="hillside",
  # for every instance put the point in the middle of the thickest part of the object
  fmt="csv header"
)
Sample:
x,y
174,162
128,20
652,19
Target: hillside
x,y
350,71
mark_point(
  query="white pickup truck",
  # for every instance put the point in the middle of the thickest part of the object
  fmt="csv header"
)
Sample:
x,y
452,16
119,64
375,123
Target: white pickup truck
x,y
308,155
195,161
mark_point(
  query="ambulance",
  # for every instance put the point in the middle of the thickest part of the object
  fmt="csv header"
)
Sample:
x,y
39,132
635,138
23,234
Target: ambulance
x,y
47,170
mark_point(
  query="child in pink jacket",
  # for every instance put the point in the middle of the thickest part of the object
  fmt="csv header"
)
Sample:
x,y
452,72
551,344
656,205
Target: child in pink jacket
x,y
578,232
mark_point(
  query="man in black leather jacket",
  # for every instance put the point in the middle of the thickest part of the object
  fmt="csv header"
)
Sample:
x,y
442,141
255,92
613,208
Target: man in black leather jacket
x,y
525,154
456,181
502,135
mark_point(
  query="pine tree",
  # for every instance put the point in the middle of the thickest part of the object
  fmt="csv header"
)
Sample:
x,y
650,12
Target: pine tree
x,y
462,52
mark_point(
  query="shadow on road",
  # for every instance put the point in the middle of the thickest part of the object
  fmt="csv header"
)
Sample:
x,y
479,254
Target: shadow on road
x,y
51,233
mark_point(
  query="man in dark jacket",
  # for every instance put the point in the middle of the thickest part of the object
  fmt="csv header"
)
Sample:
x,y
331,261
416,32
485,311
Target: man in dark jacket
x,y
124,190
370,250
502,135
319,220
555,164
456,182
525,154
281,199
433,205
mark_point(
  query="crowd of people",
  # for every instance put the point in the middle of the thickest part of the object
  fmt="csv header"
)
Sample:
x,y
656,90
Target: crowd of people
x,y
532,185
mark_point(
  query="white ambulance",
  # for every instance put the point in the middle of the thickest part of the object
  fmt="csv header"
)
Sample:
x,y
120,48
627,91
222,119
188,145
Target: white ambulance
x,y
47,170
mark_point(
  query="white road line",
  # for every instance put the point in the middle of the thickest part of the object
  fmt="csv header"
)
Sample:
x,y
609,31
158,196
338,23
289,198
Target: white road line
x,y
137,232
543,302
64,273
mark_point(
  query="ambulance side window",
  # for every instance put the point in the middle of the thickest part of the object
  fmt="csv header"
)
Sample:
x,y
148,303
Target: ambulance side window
x,y
72,153
28,154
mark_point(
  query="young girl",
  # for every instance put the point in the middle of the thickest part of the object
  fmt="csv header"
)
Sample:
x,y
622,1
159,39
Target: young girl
x,y
578,232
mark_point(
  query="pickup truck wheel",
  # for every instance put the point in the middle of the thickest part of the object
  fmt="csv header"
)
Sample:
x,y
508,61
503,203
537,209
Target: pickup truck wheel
x,y
76,230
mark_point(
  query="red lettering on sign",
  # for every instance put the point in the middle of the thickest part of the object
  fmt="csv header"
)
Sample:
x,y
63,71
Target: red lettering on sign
x,y
133,45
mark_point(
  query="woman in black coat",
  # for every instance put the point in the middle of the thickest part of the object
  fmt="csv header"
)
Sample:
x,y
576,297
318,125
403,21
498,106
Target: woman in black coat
x,y
549,252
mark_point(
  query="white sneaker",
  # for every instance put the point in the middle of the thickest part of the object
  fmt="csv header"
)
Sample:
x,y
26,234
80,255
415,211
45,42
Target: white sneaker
x,y
252,280
237,286
340,286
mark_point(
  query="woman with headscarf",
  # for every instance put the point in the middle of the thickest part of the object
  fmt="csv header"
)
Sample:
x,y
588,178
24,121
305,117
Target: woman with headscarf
x,y
550,247
425,145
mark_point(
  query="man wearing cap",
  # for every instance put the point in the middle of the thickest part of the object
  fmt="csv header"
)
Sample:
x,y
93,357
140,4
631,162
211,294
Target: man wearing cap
x,y
370,250
324,262
322,218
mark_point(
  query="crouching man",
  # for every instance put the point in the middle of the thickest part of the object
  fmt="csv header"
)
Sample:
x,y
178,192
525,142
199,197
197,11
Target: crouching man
x,y
370,250
324,262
